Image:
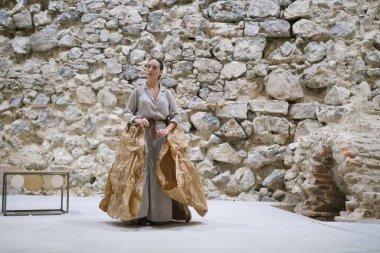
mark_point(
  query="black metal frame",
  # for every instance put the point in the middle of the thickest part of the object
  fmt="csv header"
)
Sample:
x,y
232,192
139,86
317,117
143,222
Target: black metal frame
x,y
35,211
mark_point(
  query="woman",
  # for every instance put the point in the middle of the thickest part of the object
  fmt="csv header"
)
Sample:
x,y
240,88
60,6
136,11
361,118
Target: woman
x,y
169,182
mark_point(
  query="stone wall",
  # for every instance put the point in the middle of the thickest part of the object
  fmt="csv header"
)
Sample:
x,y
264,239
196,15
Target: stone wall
x,y
262,85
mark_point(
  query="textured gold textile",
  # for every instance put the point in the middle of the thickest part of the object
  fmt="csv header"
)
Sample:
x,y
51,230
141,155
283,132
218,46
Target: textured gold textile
x,y
176,174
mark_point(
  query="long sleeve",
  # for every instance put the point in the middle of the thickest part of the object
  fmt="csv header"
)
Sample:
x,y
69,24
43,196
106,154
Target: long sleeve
x,y
132,106
173,110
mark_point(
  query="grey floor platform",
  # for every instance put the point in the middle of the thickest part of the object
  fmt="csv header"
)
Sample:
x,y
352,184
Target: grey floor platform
x,y
228,227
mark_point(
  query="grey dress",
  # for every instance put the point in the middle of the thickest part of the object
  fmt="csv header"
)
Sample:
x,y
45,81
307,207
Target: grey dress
x,y
155,204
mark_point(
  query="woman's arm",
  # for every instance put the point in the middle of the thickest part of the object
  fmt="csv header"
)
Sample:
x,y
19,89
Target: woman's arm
x,y
132,105
173,112
174,117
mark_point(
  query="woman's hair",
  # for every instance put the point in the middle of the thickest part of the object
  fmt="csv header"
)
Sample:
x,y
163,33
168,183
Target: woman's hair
x,y
159,61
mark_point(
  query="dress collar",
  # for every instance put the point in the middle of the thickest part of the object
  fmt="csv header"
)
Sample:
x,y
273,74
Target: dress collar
x,y
161,91
162,88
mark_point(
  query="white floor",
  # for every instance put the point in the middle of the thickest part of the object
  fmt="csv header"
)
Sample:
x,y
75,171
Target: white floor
x,y
228,227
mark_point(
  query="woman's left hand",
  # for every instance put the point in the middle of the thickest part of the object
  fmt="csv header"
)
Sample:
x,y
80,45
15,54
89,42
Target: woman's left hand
x,y
162,132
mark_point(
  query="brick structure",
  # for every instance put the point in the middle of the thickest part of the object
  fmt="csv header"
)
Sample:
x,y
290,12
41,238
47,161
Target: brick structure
x,y
339,173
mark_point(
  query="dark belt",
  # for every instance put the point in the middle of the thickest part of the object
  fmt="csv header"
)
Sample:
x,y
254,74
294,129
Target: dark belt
x,y
152,124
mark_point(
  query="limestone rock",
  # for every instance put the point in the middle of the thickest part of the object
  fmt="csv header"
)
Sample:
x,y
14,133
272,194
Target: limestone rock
x,y
362,90
315,52
251,29
47,119
276,28
205,65
268,129
249,49
275,180
263,9
75,53
136,56
337,95
308,30
207,169
372,58
21,45
222,48
330,114
105,155
86,95
205,123
96,6
343,29
29,157
233,70
41,101
260,70
231,130
156,21
303,111
306,127
265,155
113,67
132,30
182,68
62,156
5,19
170,43
222,178
223,29
72,113
68,17
376,102
187,87
269,106
227,11
168,82
88,17
151,3
61,101
224,153
42,18
16,101
196,154
241,88
233,109
247,126
147,41
298,9
69,41
319,75
44,40
194,25
241,181
86,162
23,19
106,97
207,77
287,53
283,85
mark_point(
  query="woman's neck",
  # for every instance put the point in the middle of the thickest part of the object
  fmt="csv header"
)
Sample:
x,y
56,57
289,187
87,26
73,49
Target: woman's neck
x,y
152,84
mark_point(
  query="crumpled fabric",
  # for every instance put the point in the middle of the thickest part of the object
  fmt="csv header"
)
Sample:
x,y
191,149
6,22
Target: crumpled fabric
x,y
176,174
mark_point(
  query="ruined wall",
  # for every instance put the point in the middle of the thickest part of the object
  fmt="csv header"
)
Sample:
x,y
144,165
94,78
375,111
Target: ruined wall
x,y
255,79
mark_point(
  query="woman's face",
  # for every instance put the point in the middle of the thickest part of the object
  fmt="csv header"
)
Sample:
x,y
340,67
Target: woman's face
x,y
153,70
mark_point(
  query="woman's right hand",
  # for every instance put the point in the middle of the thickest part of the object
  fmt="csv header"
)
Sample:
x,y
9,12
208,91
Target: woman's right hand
x,y
142,122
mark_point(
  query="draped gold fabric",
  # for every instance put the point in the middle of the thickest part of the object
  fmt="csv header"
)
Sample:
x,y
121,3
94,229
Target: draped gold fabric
x,y
176,174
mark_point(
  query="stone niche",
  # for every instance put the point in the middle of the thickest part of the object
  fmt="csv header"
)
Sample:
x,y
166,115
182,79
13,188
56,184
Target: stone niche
x,y
338,172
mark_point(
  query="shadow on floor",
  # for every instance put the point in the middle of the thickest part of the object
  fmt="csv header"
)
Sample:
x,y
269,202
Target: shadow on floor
x,y
171,225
